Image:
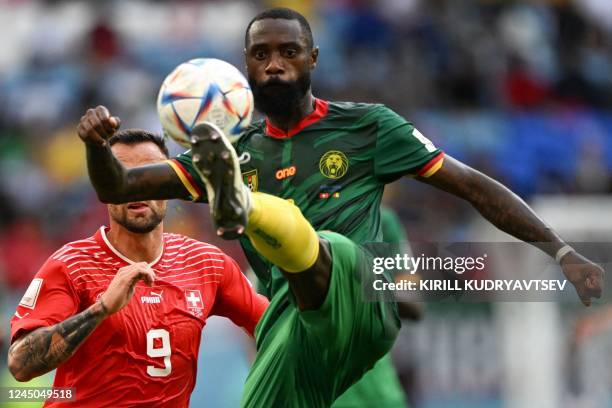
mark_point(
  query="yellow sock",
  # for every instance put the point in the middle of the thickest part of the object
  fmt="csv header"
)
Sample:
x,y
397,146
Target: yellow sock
x,y
279,231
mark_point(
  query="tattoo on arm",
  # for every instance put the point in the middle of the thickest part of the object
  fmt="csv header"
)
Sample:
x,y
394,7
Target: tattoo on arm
x,y
45,348
496,203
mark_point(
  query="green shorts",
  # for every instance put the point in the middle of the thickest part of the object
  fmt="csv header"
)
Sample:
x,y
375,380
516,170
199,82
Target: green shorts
x,y
307,359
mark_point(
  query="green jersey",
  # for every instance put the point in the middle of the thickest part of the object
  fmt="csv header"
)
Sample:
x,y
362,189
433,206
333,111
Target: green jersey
x,y
333,165
380,387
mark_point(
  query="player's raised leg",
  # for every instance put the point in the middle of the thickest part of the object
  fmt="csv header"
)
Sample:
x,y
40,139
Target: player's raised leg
x,y
276,227
309,354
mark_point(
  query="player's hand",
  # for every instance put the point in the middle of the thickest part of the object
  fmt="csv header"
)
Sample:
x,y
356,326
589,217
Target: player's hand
x,y
97,126
586,276
120,291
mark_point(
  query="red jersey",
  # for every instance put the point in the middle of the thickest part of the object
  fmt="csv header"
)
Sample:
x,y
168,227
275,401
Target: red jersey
x,y
146,354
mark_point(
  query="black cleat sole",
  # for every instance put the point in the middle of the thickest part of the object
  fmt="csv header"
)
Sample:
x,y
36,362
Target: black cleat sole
x,y
213,160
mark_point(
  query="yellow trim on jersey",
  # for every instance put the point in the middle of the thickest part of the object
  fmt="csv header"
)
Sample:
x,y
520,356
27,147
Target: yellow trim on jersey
x,y
193,191
434,168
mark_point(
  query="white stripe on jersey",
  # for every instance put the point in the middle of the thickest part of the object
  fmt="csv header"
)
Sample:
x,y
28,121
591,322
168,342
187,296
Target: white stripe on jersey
x,y
190,243
74,253
194,249
73,246
170,264
96,268
91,280
93,274
184,285
105,261
197,277
188,273
84,282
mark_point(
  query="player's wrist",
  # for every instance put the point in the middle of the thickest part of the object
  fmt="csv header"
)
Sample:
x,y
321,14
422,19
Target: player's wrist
x,y
563,252
96,144
101,308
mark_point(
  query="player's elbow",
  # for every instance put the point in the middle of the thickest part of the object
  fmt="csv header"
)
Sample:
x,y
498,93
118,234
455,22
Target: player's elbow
x,y
22,377
17,370
15,362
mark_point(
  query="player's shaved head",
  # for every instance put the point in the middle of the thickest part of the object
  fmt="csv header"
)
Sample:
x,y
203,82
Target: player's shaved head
x,y
284,14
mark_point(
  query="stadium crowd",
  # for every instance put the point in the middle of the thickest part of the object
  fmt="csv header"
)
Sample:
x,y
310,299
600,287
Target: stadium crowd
x,y
521,90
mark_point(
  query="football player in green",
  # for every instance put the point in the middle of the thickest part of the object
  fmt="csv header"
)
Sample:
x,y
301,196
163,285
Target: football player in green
x,y
328,162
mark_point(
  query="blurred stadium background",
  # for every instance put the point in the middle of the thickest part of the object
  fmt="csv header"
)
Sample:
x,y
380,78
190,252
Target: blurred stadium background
x,y
521,90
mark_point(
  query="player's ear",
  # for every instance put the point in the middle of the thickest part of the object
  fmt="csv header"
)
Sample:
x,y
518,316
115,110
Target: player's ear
x,y
314,56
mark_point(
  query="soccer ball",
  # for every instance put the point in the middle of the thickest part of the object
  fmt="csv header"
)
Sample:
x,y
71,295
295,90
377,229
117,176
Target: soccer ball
x,y
204,90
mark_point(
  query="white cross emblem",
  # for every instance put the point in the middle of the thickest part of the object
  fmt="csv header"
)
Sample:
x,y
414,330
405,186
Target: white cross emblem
x,y
194,299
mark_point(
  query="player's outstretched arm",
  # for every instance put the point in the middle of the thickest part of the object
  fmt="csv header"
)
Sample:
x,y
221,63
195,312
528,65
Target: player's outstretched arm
x,y
113,182
511,214
43,349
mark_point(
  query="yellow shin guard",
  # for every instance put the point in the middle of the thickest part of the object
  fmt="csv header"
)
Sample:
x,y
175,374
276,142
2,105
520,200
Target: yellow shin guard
x,y
279,232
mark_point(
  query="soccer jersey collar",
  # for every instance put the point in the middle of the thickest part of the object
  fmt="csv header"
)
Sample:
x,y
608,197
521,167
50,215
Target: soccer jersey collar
x,y
102,238
321,108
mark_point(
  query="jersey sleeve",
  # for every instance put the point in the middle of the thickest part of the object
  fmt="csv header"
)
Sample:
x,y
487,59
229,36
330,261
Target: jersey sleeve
x,y
237,299
49,299
186,172
401,149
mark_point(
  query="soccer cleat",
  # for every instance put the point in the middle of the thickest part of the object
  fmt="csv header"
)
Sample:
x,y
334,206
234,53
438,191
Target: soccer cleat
x,y
215,160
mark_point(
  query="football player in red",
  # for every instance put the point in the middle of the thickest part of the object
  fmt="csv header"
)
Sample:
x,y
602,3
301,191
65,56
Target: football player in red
x,y
120,314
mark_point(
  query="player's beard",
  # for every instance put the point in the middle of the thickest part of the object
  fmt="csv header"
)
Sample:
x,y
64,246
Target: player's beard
x,y
140,223
280,99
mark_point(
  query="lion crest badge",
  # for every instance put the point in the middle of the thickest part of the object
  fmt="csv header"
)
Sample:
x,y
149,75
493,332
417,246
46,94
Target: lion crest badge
x,y
333,164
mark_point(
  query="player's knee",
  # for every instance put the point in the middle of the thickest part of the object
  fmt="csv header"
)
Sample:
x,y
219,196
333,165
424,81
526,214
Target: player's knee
x,y
310,287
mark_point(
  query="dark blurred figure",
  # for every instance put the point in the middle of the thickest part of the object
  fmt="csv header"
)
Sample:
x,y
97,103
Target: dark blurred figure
x,y
104,41
522,88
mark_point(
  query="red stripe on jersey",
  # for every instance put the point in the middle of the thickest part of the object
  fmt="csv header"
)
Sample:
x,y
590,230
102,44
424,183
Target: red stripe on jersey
x,y
423,170
320,111
191,185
